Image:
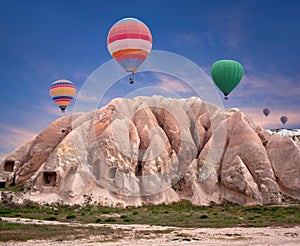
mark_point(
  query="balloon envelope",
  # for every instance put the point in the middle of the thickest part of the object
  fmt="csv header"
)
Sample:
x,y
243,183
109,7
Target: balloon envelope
x,y
227,74
129,41
283,119
62,92
266,111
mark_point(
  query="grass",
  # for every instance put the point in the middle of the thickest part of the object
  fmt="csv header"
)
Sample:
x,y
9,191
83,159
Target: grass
x,y
182,214
12,188
24,232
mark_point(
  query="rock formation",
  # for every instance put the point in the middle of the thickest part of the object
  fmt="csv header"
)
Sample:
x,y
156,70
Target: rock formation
x,y
155,150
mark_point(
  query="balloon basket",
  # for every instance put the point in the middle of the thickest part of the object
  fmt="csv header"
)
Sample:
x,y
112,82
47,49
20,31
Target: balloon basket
x,y
131,79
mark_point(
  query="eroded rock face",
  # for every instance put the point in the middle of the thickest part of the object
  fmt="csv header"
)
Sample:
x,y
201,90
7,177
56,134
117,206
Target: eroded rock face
x,y
155,150
284,155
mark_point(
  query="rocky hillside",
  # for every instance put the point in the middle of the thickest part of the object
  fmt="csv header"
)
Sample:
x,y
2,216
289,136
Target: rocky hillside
x,y
155,150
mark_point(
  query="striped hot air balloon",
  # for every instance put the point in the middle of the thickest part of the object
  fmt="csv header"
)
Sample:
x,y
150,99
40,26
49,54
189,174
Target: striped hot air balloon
x,y
129,41
62,92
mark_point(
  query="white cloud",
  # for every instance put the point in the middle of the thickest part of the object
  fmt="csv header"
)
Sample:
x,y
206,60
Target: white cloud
x,y
172,84
80,75
52,109
277,92
272,121
11,137
82,96
190,38
267,90
272,84
2,156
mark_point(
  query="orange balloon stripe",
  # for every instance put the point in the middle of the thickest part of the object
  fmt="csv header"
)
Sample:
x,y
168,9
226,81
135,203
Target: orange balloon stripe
x,y
138,56
129,51
62,91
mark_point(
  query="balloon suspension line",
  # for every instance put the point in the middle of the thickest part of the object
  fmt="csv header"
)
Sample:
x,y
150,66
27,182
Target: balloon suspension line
x,y
131,79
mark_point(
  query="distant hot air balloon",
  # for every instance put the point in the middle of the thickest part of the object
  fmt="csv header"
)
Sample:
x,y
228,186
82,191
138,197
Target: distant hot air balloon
x,y
129,41
62,92
226,75
283,119
266,111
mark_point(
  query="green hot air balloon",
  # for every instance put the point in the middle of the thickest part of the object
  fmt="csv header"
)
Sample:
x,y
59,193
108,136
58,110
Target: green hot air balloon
x,y
226,75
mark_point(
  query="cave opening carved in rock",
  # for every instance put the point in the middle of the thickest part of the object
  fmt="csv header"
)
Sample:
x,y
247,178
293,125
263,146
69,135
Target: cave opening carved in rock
x,y
49,178
9,166
112,172
2,184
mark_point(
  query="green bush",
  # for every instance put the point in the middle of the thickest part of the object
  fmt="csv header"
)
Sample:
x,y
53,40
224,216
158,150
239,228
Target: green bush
x,y
6,211
203,216
98,220
71,216
50,218
105,211
128,219
110,219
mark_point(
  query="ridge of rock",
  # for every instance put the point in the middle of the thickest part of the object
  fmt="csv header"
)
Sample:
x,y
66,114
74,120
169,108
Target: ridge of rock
x,y
156,150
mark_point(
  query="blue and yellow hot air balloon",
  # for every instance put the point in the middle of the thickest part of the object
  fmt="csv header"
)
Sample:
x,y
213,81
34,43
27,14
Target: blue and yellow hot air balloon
x,y
62,92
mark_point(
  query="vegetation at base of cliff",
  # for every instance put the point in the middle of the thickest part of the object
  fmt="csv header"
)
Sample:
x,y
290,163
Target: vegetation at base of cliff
x,y
12,188
182,214
24,232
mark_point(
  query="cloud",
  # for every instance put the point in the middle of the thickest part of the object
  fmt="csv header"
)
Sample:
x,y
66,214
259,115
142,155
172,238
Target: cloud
x,y
172,84
277,92
82,96
2,156
183,41
80,75
52,109
275,84
272,121
11,137
188,38
267,90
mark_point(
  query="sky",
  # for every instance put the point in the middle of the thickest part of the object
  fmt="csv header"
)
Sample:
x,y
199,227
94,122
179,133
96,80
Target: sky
x,y
42,41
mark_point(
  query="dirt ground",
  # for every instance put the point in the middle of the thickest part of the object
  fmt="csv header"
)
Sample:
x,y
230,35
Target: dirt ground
x,y
147,235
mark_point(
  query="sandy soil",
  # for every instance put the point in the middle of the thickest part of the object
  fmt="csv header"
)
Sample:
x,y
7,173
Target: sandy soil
x,y
147,235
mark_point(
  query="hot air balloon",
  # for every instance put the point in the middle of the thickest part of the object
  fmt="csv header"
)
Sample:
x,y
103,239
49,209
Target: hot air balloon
x,y
62,92
266,111
283,119
227,74
129,41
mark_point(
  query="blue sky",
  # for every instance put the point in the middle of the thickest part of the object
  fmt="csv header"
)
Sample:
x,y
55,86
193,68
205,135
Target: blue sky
x,y
41,41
